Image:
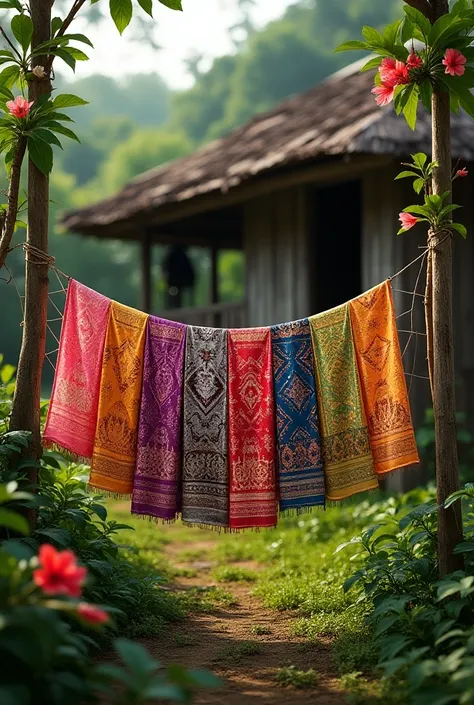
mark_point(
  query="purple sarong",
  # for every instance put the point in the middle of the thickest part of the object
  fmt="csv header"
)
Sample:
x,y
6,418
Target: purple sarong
x,y
158,470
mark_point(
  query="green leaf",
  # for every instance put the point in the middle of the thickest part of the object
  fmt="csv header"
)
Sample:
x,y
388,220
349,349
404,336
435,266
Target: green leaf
x,y
374,38
56,24
121,12
372,64
426,92
460,6
172,4
76,54
135,656
460,228
66,57
46,136
22,28
14,521
57,127
419,159
352,46
41,154
418,210
418,19
9,4
67,100
439,27
418,185
391,32
408,30
6,373
9,76
410,110
448,209
147,6
406,175
79,38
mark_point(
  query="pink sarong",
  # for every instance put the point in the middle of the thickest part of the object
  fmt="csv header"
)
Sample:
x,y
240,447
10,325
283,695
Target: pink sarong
x,y
72,413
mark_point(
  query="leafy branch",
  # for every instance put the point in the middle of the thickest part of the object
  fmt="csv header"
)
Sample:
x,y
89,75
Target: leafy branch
x,y
13,191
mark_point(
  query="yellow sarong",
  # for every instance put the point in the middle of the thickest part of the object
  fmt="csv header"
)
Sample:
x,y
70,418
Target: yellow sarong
x,y
114,455
348,464
383,385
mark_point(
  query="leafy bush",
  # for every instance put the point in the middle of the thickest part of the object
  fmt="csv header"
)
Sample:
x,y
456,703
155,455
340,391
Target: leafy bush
x,y
424,626
49,630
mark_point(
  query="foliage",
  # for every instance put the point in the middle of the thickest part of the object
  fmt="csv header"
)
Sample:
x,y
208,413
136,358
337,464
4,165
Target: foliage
x,y
424,626
46,645
425,66
290,676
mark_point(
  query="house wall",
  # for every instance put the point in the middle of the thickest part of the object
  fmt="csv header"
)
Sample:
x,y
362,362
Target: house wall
x,y
276,247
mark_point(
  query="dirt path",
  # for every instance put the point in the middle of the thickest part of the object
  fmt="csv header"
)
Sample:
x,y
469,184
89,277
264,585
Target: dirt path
x,y
219,641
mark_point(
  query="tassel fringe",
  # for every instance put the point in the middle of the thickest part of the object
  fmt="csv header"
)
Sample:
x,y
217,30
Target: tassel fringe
x,y
73,457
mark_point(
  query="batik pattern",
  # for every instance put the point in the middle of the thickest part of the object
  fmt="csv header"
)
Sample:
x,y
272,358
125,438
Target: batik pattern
x,y
301,476
383,385
253,494
348,464
158,469
72,415
205,466
114,456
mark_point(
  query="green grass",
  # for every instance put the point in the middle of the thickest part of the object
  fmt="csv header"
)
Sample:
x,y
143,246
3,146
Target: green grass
x,y
291,677
238,652
206,599
185,640
234,574
260,630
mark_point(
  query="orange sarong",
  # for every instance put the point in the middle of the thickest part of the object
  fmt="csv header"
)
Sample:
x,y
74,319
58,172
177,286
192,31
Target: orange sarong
x,y
113,460
382,379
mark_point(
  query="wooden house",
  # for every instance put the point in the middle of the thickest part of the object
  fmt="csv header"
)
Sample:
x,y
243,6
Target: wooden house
x,y
307,191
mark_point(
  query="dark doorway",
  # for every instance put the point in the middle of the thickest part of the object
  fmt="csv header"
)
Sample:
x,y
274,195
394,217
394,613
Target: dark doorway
x,y
337,245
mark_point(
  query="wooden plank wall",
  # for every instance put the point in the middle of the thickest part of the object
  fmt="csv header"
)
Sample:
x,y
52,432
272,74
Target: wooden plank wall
x,y
276,251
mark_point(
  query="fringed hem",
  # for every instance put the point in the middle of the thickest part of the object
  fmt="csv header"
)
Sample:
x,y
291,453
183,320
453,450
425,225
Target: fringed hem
x,y
156,520
206,527
93,489
57,448
298,511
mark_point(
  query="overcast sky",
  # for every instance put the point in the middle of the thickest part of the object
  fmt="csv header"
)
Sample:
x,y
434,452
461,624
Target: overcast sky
x,y
202,27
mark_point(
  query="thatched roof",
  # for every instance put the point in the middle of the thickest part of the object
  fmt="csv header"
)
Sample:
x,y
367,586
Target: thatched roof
x,y
339,116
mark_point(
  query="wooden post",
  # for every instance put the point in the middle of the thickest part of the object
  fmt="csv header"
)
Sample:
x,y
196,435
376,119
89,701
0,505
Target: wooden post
x,y
447,471
26,403
146,302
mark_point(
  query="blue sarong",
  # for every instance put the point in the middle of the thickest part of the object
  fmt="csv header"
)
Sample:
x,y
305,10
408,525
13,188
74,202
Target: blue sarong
x,y
301,473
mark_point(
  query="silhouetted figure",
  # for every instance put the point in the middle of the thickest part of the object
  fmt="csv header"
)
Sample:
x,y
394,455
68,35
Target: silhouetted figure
x,y
179,274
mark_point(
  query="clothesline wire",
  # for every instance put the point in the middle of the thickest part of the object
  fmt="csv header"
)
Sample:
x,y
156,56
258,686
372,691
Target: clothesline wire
x,y
36,256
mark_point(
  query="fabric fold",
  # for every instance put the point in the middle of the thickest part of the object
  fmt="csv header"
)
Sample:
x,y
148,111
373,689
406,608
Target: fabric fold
x,y
205,463
158,468
300,467
72,415
253,493
383,385
348,464
113,460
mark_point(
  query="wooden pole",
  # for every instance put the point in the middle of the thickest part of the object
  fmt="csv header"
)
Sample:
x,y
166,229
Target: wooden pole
x,y
146,272
447,471
26,403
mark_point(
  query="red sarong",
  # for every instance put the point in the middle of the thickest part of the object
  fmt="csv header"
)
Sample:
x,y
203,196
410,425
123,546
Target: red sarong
x,y
253,496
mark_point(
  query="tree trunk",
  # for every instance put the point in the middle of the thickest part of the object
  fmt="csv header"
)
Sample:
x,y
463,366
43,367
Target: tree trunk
x,y
447,472
26,402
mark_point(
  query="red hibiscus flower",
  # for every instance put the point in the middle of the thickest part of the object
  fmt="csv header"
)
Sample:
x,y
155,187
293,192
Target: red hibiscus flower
x,y
19,107
59,573
455,62
408,220
92,614
386,68
383,94
414,61
462,172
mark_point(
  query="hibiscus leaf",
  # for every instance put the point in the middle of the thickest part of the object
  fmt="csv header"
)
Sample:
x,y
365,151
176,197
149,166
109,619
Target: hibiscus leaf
x,y
460,228
372,64
354,45
410,111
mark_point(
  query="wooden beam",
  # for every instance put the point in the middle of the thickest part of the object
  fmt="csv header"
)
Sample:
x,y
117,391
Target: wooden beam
x,y
146,302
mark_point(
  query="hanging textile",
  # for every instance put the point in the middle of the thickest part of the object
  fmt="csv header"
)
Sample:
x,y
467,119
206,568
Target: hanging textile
x,y
301,477
348,464
383,385
253,497
113,460
158,468
205,465
72,415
